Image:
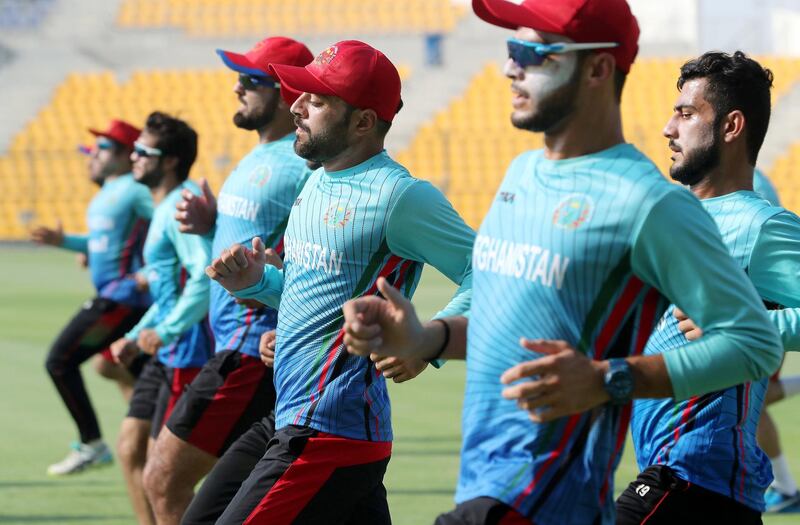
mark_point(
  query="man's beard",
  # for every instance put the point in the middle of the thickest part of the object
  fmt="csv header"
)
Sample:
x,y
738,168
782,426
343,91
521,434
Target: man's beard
x,y
257,120
325,145
152,178
555,108
697,164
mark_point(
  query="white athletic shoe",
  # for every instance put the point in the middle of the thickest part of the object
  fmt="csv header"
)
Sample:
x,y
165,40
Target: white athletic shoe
x,y
81,457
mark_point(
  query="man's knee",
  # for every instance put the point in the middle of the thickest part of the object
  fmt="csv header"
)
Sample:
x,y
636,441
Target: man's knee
x,y
132,442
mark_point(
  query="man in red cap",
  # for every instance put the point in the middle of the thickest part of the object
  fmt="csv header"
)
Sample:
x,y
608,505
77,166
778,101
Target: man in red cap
x,y
234,390
117,218
360,223
579,258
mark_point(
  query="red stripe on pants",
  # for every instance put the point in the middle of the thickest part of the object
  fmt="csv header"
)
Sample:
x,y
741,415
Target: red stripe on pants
x,y
322,455
180,378
229,403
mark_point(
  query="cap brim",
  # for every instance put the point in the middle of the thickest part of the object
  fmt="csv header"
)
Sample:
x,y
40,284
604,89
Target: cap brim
x,y
504,13
296,80
240,63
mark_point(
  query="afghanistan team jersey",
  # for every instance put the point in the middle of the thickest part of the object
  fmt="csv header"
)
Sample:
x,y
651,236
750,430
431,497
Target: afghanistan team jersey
x,y
587,250
254,202
176,266
117,217
346,229
710,440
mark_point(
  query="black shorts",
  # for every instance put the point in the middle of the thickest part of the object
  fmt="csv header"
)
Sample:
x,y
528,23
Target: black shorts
x,y
482,511
232,392
224,480
308,477
659,497
156,391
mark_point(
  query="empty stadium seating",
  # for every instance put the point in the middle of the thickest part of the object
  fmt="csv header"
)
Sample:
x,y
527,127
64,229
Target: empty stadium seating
x,y
784,176
257,17
464,149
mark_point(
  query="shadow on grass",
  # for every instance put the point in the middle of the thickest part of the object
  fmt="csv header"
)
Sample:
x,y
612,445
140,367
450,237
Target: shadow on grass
x,y
421,492
61,518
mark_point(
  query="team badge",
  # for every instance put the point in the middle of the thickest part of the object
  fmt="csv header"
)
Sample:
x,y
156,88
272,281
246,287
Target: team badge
x,y
260,175
573,211
337,216
324,58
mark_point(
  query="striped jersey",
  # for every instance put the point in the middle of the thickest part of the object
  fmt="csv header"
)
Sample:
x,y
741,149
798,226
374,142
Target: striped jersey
x,y
175,270
346,229
581,250
710,440
117,217
254,202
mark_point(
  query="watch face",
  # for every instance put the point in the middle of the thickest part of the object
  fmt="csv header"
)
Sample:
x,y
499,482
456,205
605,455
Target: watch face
x,y
619,383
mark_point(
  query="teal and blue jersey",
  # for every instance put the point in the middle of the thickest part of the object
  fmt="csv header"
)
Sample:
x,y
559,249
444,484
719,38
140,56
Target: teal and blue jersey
x,y
710,440
117,217
591,250
254,202
764,187
175,271
346,229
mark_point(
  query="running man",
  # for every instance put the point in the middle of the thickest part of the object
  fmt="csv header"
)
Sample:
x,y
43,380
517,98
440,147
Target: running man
x,y
782,496
699,457
234,389
359,217
174,329
117,218
574,254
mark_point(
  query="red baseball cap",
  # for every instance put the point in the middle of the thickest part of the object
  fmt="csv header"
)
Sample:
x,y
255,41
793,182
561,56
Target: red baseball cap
x,y
580,20
119,131
354,71
276,49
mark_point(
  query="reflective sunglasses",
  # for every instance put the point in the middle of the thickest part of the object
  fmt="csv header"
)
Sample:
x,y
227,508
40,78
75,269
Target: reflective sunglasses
x,y
146,151
103,143
251,82
525,53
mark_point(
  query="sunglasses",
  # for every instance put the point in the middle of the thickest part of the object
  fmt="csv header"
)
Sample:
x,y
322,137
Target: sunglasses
x,y
251,82
103,144
146,151
526,54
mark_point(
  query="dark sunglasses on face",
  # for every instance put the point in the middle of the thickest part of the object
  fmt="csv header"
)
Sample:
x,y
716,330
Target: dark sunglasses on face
x,y
251,82
103,144
146,151
526,54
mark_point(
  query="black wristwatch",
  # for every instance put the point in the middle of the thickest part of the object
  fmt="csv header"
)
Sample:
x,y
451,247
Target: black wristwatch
x,y
618,381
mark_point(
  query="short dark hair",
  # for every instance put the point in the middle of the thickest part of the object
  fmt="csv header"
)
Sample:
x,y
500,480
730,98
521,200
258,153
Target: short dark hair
x,y
735,82
174,138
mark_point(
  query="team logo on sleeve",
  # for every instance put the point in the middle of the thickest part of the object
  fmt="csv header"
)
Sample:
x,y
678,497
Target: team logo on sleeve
x,y
573,211
336,216
260,175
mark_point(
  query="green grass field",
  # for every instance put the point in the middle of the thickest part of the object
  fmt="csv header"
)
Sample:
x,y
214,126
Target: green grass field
x,y
42,288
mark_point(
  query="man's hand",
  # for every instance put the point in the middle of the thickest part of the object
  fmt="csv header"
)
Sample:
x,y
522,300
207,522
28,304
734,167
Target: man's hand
x,y
197,213
691,331
266,348
398,370
142,285
239,267
384,327
49,236
123,351
564,381
82,259
149,341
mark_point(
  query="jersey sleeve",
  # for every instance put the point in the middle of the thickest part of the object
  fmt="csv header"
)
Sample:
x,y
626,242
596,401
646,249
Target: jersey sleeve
x,y
194,254
266,291
76,243
692,268
423,226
